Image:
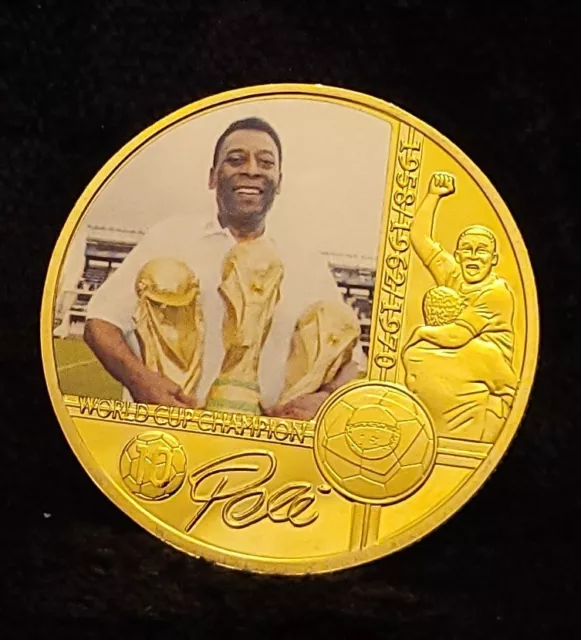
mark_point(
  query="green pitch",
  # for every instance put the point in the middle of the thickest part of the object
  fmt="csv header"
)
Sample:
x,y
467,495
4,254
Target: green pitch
x,y
80,373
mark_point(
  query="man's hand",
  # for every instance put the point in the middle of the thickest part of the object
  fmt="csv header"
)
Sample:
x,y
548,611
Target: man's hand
x,y
302,408
152,388
442,184
108,343
417,336
445,336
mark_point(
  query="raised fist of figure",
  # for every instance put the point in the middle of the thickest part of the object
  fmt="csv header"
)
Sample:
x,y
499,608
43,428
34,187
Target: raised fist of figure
x,y
442,184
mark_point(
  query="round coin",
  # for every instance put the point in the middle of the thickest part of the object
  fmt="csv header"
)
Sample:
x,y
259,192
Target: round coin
x,y
289,329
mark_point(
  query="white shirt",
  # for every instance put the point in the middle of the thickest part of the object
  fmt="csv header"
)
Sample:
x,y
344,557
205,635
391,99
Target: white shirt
x,y
307,279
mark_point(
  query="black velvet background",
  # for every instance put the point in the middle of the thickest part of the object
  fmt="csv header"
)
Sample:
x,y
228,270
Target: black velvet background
x,y
78,80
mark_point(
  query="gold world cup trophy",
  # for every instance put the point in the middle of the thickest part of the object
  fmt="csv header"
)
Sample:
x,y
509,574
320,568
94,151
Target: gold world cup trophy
x,y
323,341
251,277
169,321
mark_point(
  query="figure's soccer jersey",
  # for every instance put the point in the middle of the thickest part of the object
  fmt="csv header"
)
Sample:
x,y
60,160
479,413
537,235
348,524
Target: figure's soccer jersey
x,y
490,308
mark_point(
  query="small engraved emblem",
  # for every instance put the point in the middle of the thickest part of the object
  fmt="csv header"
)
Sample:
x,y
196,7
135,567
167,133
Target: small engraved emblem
x,y
375,444
372,432
153,465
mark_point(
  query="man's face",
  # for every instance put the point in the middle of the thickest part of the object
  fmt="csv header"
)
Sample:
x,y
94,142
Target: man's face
x,y
476,257
246,176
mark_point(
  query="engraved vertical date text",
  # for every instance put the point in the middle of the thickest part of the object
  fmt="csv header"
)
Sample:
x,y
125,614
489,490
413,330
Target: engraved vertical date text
x,y
396,263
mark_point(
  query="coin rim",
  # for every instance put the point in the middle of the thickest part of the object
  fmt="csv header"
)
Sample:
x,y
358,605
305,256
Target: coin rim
x,y
342,560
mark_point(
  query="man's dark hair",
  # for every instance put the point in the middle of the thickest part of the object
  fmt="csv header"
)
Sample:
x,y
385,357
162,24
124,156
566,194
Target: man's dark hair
x,y
252,124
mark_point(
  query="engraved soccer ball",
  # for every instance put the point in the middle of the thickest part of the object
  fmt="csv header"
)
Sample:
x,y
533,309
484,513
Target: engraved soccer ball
x,y
153,465
442,305
376,446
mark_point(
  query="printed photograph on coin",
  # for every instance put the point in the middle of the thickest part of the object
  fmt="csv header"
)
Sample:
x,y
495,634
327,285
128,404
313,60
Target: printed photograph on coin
x,y
229,264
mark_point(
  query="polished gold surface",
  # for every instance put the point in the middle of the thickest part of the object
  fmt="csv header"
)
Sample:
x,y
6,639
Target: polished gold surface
x,y
387,457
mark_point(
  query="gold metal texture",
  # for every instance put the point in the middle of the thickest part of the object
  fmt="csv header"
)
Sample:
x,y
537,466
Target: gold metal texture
x,y
318,417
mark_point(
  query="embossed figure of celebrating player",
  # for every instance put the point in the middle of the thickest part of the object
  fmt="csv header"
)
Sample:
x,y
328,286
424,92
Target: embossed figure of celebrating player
x,y
460,362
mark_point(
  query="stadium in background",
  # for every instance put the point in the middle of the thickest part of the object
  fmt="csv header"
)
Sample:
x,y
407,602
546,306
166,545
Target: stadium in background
x,y
107,247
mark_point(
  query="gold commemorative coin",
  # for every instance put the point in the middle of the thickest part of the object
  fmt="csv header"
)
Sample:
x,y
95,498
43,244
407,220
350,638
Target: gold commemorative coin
x,y
289,329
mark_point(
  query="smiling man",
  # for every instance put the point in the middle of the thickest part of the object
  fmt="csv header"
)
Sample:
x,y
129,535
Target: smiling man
x,y
246,175
489,308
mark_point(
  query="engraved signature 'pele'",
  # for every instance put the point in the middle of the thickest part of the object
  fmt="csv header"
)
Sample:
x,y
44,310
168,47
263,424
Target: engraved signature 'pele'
x,y
237,482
